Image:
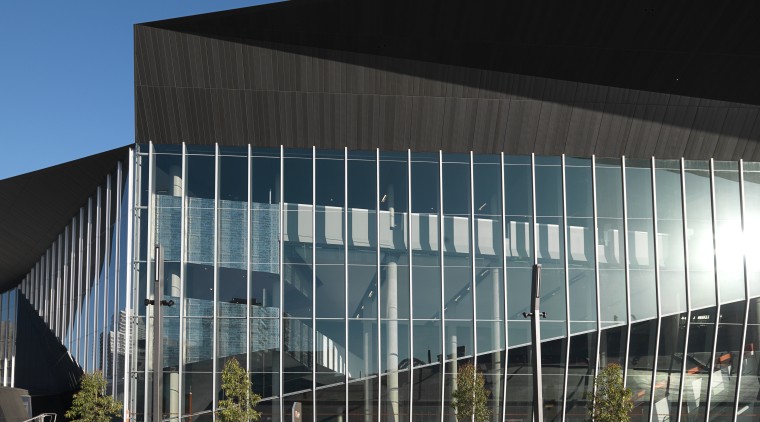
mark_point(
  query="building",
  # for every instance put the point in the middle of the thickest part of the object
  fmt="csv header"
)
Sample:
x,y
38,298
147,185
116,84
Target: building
x,y
349,198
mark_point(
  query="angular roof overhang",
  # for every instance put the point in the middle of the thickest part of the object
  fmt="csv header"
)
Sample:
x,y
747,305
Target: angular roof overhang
x,y
36,206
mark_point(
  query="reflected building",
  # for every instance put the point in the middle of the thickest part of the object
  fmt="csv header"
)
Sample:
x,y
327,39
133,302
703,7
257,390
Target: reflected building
x,y
352,207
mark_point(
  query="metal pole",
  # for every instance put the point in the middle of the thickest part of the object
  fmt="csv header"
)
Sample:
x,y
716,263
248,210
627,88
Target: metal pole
x,y
535,331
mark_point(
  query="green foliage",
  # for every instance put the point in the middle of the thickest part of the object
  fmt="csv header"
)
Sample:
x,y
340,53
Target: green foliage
x,y
611,402
239,401
470,399
91,403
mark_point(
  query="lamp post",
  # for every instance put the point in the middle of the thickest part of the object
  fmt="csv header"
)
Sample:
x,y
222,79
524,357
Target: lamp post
x,y
535,331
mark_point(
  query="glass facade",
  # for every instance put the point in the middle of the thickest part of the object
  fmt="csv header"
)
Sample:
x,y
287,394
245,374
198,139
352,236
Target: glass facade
x,y
356,283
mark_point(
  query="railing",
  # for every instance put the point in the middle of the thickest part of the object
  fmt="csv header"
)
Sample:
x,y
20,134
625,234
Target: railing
x,y
43,417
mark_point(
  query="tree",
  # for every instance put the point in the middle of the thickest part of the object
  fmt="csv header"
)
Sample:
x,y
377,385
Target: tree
x,y
611,402
470,399
91,403
239,400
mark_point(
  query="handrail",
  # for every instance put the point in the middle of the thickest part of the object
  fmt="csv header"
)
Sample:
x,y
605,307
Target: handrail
x,y
42,417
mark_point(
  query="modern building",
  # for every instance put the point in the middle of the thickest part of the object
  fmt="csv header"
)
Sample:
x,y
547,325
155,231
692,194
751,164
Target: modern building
x,y
349,197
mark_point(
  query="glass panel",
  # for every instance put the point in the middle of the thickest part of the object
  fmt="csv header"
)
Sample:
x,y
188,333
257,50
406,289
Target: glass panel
x,y
699,236
640,366
728,229
699,354
297,252
670,260
749,391
518,197
519,393
640,240
298,356
553,372
426,393
330,352
580,242
669,363
610,250
752,229
726,360
580,375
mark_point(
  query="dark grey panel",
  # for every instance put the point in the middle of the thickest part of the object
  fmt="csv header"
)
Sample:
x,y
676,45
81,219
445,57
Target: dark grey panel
x,y
237,92
35,207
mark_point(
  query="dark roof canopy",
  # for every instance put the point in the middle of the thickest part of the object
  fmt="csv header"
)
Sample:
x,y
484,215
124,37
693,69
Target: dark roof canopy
x,y
696,48
671,79
36,206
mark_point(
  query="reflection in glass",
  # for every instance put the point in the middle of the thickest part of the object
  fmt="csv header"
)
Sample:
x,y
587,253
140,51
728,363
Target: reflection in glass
x,y
726,360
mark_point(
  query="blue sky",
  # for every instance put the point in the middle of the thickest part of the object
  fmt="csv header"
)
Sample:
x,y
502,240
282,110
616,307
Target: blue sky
x,y
66,75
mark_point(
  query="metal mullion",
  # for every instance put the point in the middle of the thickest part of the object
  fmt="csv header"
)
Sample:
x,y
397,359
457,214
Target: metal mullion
x,y
86,285
688,287
149,314
746,290
596,271
72,270
64,285
658,292
567,287
248,265
129,275
59,286
314,282
534,232
106,276
409,269
182,264
116,273
379,275
443,303
629,323
472,264
96,279
78,298
15,335
345,275
717,288
47,286
282,280
215,319
504,280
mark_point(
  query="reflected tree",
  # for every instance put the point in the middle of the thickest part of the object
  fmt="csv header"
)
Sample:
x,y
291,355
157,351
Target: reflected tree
x,y
239,400
470,397
611,401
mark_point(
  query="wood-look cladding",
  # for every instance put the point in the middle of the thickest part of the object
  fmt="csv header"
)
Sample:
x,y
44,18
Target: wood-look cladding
x,y
201,90
35,208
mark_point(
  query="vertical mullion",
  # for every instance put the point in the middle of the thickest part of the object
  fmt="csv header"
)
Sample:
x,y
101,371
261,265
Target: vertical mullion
x,y
534,232
743,244
86,288
149,315
717,288
596,270
658,292
629,323
248,268
56,302
567,287
129,275
688,287
182,264
443,303
116,277
64,285
472,265
504,280
72,281
106,276
96,281
345,276
379,273
314,282
411,281
282,280
215,319
78,297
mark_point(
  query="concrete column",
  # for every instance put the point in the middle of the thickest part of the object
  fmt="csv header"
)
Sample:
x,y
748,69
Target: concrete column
x,y
391,297
176,178
172,383
496,335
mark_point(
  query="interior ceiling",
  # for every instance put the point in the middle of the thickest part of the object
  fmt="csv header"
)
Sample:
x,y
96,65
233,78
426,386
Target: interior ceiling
x,y
697,48
36,206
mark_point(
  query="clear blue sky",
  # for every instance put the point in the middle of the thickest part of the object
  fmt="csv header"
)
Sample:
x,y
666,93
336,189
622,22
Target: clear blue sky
x,y
66,75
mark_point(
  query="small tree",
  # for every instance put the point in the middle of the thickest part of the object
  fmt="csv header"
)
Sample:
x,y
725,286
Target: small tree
x,y
239,400
91,403
611,402
470,399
